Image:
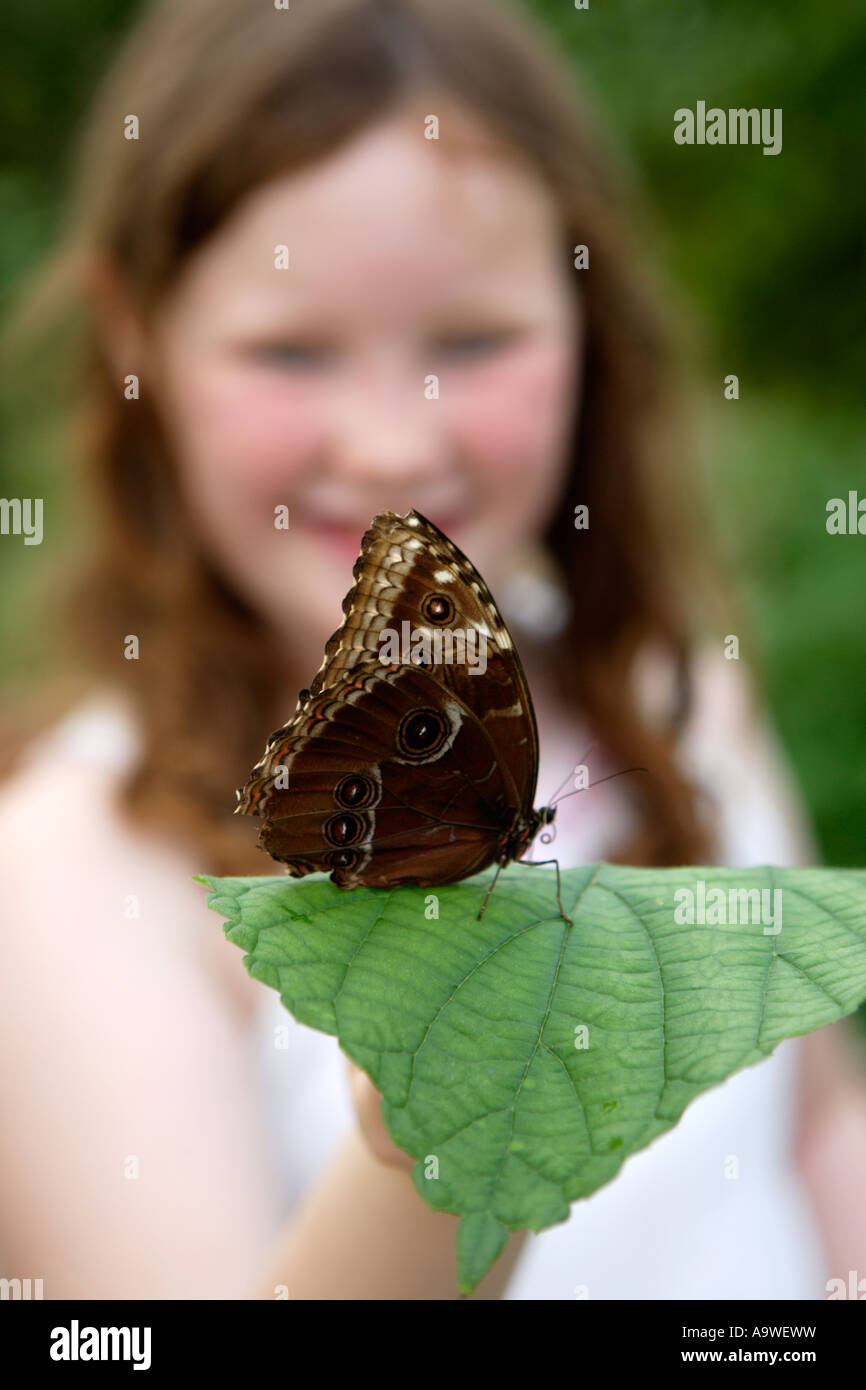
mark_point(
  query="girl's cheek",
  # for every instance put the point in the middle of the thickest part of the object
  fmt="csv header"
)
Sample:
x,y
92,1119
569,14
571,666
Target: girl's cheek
x,y
511,418
252,428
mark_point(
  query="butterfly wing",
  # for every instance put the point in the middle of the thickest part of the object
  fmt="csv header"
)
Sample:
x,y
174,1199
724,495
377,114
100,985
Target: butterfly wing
x,y
383,777
430,815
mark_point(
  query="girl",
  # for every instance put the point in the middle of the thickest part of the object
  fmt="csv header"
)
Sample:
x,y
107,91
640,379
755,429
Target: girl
x,y
285,222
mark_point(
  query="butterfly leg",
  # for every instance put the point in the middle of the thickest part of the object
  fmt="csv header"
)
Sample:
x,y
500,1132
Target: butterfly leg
x,y
536,863
499,867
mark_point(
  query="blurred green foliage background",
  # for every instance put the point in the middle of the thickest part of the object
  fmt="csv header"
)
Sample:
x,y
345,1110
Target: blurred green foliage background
x,y
769,252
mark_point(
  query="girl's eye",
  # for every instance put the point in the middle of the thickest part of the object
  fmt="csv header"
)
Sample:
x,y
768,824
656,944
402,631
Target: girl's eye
x,y
474,345
303,355
471,346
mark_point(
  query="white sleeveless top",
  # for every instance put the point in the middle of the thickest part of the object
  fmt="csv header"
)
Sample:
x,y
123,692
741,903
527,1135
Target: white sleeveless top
x,y
671,1225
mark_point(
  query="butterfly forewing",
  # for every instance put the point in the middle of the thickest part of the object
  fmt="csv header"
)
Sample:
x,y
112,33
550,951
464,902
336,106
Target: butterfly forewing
x,y
404,562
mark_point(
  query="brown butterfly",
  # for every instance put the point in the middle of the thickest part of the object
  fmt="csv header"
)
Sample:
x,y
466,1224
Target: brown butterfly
x,y
413,757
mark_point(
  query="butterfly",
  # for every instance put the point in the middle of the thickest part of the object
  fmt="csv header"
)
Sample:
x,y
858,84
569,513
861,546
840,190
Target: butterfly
x,y
413,756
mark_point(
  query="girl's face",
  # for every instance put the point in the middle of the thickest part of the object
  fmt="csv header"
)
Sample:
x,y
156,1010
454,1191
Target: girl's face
x,y
421,350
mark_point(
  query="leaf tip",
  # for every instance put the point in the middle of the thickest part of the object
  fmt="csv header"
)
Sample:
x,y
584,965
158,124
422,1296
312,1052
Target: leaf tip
x,y
480,1242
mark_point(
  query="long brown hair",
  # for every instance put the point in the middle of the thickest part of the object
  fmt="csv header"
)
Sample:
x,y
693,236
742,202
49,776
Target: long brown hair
x,y
228,94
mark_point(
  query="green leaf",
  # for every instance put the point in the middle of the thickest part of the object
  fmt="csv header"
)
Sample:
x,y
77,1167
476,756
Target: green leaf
x,y
520,1060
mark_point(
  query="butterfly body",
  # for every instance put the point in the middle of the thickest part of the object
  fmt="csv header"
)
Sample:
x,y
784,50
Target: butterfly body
x,y
413,757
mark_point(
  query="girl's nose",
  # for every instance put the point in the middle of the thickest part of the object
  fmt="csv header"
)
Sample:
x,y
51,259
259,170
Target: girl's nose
x,y
387,427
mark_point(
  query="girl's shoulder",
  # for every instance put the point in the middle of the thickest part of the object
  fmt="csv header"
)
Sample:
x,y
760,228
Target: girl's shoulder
x,y
70,857
99,732
63,781
731,748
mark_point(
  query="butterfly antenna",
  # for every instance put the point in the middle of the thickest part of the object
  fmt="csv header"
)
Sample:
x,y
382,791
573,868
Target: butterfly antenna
x,y
598,783
569,775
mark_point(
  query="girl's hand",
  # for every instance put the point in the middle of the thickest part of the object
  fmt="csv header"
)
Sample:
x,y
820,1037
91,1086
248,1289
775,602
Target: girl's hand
x,y
368,1106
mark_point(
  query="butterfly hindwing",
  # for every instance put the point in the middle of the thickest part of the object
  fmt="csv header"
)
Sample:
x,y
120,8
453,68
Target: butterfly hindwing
x,y
377,780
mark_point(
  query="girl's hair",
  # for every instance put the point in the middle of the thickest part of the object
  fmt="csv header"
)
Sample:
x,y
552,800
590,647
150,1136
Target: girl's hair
x,y
228,94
